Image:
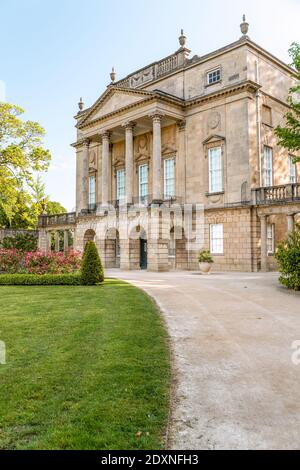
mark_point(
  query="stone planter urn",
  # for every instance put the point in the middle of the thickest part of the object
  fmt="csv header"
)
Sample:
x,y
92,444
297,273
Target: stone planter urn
x,y
205,267
205,261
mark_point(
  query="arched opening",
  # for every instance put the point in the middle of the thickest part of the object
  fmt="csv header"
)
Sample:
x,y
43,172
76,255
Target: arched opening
x,y
89,236
138,248
112,249
178,254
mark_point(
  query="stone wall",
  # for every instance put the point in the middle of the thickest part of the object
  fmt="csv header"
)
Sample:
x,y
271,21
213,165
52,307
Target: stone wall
x,y
12,233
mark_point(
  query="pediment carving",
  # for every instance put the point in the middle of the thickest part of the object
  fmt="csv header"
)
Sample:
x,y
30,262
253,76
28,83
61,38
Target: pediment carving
x,y
168,139
142,146
93,160
112,100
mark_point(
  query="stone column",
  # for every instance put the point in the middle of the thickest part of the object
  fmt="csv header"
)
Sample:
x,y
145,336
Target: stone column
x,y
85,175
99,175
129,160
156,159
105,167
66,240
291,223
181,162
49,240
57,241
263,243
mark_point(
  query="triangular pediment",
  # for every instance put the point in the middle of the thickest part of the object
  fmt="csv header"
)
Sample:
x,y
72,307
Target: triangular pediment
x,y
213,138
113,100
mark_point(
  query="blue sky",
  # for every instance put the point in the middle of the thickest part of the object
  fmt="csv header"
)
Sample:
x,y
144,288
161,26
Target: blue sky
x,y
55,51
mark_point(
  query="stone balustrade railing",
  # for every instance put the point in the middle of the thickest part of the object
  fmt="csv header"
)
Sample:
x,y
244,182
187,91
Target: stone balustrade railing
x,y
154,71
59,219
276,194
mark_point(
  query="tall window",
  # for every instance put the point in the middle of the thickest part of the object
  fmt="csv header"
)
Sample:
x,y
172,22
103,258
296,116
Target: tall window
x,y
270,239
120,185
169,177
216,239
215,169
143,181
92,190
268,166
214,76
292,170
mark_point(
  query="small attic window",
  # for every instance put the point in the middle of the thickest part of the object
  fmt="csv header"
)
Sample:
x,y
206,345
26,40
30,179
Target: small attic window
x,y
214,76
267,115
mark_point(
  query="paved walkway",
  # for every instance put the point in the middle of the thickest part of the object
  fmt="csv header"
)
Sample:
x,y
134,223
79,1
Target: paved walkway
x,y
236,386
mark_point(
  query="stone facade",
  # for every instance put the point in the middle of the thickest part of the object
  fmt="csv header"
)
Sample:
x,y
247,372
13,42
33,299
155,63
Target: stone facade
x,y
183,109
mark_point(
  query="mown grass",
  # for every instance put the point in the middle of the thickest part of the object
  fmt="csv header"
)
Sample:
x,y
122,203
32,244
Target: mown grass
x,y
87,368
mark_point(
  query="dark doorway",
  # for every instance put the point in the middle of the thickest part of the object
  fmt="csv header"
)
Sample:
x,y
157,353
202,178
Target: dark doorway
x,y
143,254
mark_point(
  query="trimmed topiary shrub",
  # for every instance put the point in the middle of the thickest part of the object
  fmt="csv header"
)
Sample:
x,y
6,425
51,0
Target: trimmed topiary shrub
x,y
91,268
40,279
288,257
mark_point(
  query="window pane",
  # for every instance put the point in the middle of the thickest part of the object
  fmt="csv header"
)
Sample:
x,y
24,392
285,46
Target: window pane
x,y
92,190
214,76
268,166
216,238
120,184
270,238
169,177
215,170
143,180
292,170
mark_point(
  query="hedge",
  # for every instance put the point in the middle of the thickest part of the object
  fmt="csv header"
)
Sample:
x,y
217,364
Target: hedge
x,y
73,279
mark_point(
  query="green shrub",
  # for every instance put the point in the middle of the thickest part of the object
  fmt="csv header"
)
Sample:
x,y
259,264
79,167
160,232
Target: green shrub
x,y
91,268
288,257
21,241
205,257
73,279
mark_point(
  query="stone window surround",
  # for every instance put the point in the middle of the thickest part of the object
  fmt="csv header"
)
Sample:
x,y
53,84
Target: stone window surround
x,y
272,226
290,163
210,238
169,156
217,143
264,165
206,76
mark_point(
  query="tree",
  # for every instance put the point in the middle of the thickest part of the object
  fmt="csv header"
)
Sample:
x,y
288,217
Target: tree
x,y
41,202
21,154
289,136
91,268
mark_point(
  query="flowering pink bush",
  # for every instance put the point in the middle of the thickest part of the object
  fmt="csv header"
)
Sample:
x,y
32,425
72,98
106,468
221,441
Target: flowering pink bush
x,y
11,261
38,262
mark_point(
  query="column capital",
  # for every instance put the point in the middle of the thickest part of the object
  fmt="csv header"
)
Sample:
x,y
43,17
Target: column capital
x,y
86,142
156,116
181,125
105,135
129,125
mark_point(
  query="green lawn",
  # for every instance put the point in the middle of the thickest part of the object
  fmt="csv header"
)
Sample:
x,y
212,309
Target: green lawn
x,y
87,368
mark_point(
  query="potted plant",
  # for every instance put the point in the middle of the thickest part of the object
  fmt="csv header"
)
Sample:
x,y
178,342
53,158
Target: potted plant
x,y
205,261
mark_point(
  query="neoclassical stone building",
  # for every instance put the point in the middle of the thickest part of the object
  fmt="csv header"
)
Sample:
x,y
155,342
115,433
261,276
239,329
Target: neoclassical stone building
x,y
186,131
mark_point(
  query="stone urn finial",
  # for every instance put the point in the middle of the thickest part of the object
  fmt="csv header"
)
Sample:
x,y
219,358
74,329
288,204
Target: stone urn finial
x,y
182,39
244,26
113,75
81,104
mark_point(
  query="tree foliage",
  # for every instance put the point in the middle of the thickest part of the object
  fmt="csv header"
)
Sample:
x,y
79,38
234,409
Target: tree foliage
x,y
21,155
91,268
289,135
288,257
